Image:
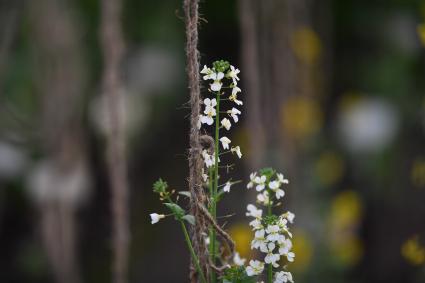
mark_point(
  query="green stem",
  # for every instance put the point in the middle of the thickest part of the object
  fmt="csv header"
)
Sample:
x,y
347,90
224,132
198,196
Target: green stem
x,y
192,252
214,195
270,266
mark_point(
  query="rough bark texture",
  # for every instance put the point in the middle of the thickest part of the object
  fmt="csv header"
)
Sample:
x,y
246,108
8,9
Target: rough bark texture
x,y
195,161
112,46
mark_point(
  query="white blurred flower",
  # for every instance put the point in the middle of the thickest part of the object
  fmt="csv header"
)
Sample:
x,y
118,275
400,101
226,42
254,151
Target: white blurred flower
x,y
225,142
233,74
282,179
226,187
255,267
368,125
208,159
263,198
252,178
234,114
155,217
238,260
254,211
283,277
236,150
217,84
226,123
261,183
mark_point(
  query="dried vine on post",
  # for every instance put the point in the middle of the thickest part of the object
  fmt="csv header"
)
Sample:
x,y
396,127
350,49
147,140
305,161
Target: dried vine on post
x,y
112,45
195,160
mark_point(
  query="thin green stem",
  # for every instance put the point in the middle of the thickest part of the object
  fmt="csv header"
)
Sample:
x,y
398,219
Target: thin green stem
x,y
215,189
192,252
270,266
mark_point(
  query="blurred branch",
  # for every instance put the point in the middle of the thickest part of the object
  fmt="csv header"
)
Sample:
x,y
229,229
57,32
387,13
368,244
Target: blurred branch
x,y
112,47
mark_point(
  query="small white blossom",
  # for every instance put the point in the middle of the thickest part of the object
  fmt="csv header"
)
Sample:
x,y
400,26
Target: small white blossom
x,y
208,159
290,216
255,267
234,114
208,73
271,258
226,123
155,217
205,119
283,277
251,182
254,211
281,179
256,224
273,233
274,186
225,142
238,260
259,241
216,85
290,256
226,187
285,246
263,198
260,181
236,149
233,74
234,97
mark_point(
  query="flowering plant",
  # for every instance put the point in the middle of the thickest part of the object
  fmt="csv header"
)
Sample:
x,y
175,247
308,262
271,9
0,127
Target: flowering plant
x,y
272,235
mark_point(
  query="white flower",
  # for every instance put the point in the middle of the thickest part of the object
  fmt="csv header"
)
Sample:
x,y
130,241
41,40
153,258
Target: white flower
x,y
226,123
280,193
255,267
260,181
234,113
155,217
281,179
237,149
208,73
254,211
285,246
227,187
290,256
273,185
256,224
238,260
210,105
225,142
233,74
206,120
234,96
208,159
263,198
204,176
251,182
273,231
271,258
259,241
283,277
216,85
290,216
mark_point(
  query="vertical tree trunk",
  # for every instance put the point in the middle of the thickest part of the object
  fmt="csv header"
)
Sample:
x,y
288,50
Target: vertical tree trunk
x,y
112,46
62,176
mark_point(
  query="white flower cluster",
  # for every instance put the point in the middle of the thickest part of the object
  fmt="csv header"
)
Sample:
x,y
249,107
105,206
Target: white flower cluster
x,y
220,71
272,235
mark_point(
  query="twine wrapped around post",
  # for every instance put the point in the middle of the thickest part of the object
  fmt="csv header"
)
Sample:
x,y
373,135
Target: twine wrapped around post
x,y
195,160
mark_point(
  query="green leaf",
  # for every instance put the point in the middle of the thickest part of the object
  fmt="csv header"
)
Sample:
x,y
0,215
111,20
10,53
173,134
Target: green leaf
x,y
175,209
189,218
185,193
237,274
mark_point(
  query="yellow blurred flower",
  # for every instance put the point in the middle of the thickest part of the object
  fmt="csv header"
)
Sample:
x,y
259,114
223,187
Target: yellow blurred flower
x,y
346,209
421,33
306,45
242,235
303,249
348,252
329,168
345,215
417,174
413,252
301,117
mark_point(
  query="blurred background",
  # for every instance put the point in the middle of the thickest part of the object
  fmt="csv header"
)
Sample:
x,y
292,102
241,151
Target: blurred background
x,y
334,97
